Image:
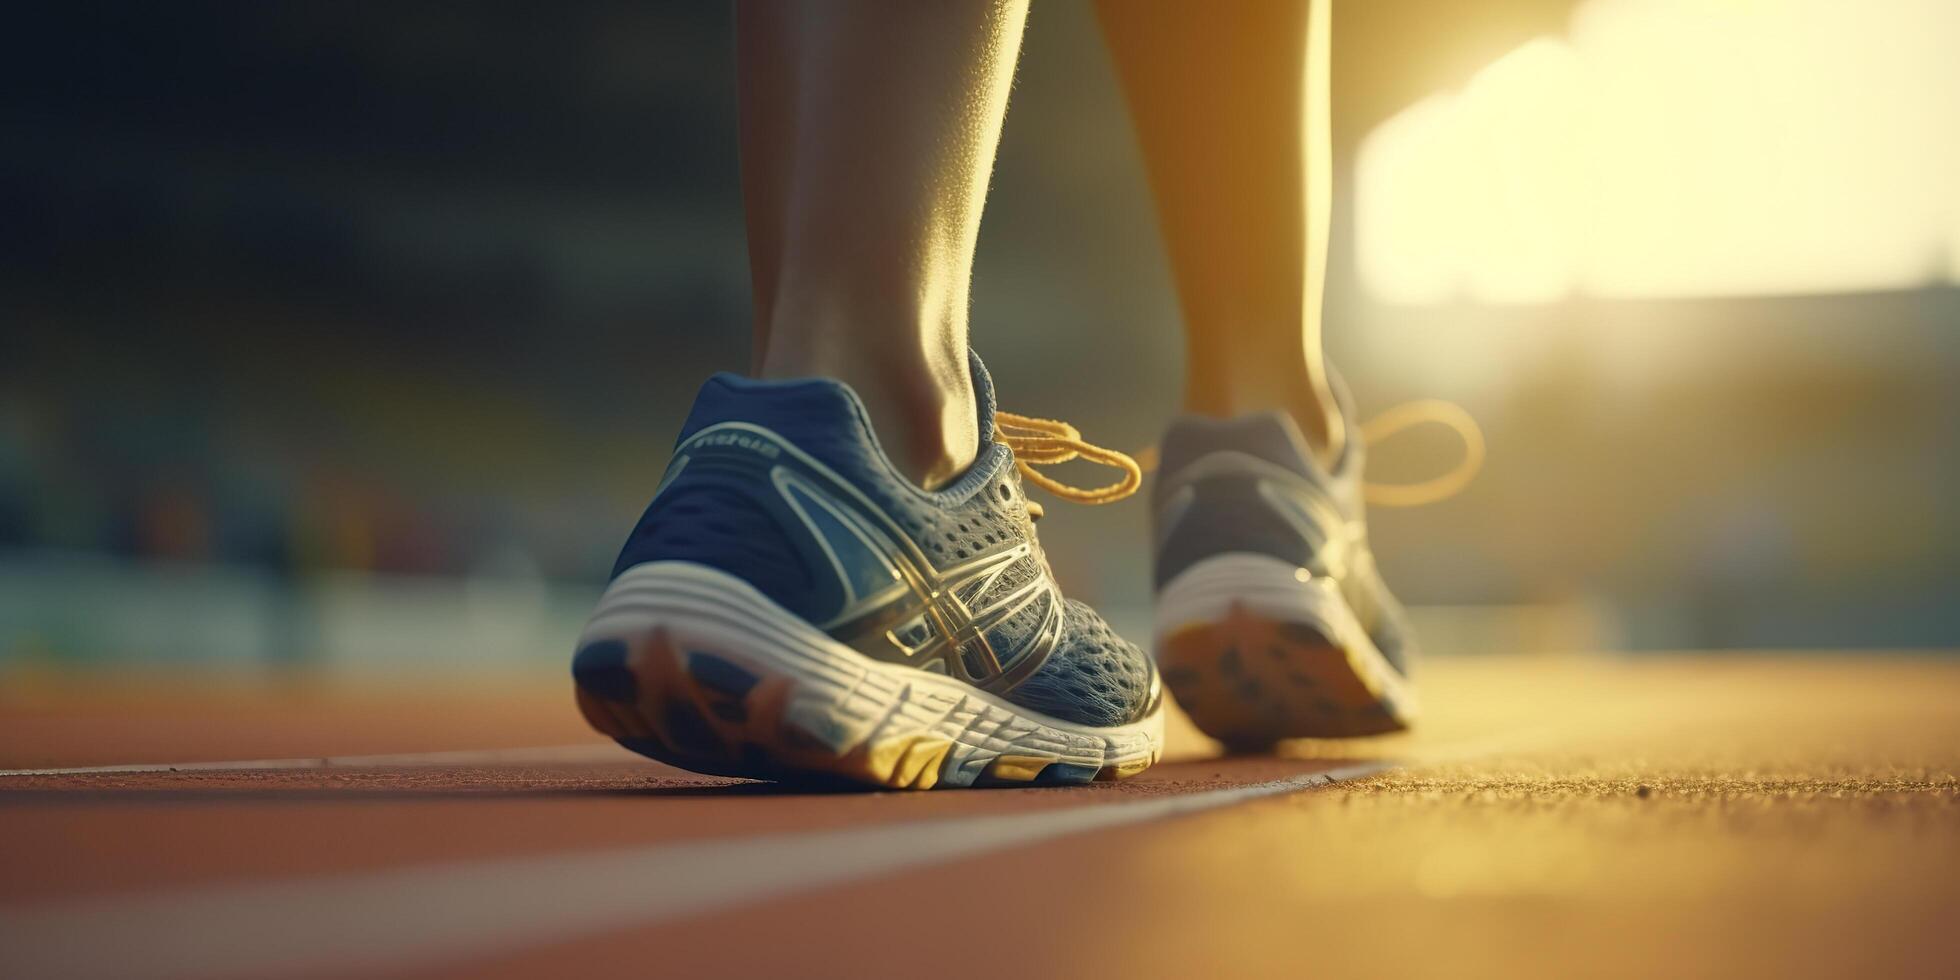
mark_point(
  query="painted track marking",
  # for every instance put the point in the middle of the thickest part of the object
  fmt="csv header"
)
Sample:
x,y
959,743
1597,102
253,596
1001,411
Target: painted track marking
x,y
416,916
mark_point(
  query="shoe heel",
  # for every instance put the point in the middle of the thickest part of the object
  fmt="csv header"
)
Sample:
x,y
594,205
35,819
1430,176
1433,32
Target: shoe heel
x,y
1255,652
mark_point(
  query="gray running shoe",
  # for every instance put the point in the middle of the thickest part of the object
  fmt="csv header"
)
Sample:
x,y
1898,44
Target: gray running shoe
x,y
1272,621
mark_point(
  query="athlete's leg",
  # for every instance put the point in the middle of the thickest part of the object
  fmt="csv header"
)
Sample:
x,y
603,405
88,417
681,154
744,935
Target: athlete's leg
x,y
1260,544
1230,105
868,133
789,605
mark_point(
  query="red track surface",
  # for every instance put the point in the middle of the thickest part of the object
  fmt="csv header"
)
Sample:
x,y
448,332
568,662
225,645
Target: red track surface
x,y
1740,817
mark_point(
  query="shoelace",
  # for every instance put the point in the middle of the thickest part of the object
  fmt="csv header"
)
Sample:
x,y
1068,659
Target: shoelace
x,y
1047,442
1407,416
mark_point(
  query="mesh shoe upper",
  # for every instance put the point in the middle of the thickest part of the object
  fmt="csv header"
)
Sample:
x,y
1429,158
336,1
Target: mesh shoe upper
x,y
784,485
1252,485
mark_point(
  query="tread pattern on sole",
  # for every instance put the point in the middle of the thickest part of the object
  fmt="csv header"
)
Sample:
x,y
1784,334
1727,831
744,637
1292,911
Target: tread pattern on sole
x,y
1249,680
1257,650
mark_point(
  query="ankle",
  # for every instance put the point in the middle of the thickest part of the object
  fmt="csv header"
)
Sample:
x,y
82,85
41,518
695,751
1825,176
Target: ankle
x,y
1311,407
928,424
1319,418
921,407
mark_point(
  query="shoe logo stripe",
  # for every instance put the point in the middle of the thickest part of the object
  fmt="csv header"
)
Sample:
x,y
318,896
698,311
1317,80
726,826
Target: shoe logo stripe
x,y
867,550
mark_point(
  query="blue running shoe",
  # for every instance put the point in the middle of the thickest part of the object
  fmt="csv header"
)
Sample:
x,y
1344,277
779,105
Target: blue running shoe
x,y
792,607
1272,621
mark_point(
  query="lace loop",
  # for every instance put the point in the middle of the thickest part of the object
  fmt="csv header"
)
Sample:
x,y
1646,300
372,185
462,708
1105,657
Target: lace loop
x,y
1407,416
1047,442
1394,421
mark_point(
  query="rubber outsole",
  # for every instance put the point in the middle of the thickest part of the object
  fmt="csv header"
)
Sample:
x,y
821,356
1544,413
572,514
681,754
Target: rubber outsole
x,y
1249,681
686,666
1257,651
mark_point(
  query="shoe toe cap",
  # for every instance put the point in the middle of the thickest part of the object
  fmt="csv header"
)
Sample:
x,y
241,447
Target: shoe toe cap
x,y
1094,677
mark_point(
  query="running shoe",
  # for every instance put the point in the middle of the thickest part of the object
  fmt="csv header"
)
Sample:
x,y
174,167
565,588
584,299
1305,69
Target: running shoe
x,y
790,606
1272,621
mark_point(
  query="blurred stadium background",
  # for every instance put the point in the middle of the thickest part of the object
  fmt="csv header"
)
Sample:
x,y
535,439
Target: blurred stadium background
x,y
330,327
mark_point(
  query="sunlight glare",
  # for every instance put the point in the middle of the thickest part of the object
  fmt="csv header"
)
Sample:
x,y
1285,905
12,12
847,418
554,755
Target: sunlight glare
x,y
1679,148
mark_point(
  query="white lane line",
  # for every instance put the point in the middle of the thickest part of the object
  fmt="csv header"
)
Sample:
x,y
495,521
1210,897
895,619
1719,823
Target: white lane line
x,y
587,752
420,915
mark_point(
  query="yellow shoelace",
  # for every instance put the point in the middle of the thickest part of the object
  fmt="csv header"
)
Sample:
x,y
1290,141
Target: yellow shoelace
x,y
1047,442
1406,416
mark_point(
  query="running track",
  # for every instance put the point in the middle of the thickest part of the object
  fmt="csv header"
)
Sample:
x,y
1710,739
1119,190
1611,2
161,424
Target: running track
x,y
1756,816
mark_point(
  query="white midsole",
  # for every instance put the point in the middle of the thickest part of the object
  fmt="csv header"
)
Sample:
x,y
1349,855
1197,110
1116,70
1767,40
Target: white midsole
x,y
1278,590
841,696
